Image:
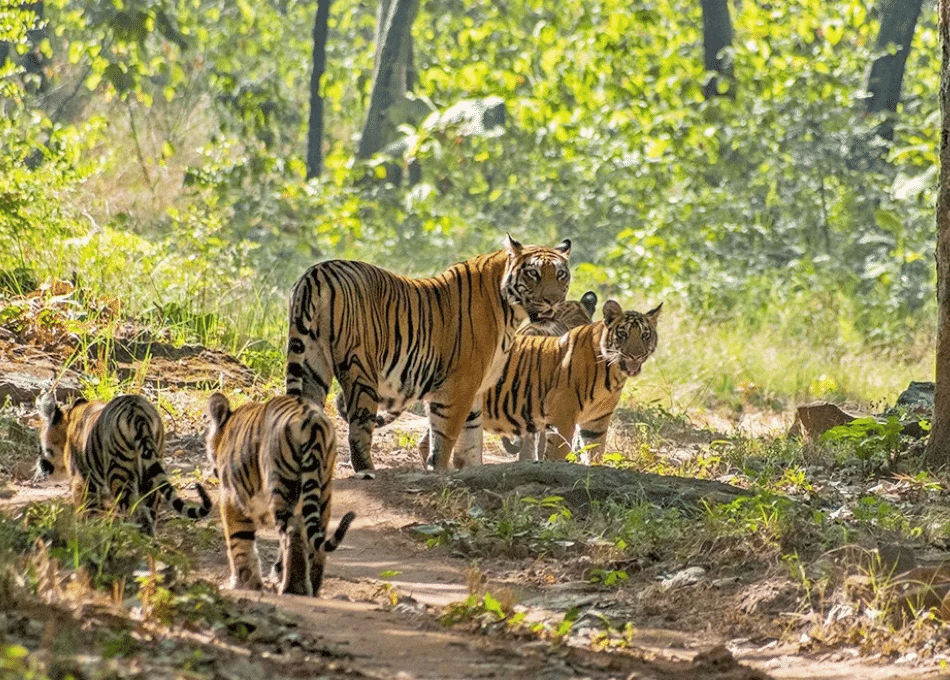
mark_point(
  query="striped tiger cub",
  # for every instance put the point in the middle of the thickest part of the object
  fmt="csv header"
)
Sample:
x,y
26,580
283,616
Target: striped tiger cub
x,y
391,341
574,381
570,314
275,461
112,452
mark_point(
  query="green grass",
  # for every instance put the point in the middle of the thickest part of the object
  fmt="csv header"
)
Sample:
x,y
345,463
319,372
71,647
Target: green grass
x,y
761,362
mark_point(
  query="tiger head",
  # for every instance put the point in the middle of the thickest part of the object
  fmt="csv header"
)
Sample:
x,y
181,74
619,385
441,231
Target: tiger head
x,y
536,278
630,337
53,435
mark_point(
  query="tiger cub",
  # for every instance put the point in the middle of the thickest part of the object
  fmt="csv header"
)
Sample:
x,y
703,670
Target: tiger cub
x,y
391,341
570,314
275,461
571,381
112,452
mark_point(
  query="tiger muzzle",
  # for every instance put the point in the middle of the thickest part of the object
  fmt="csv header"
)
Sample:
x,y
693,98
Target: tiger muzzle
x,y
632,367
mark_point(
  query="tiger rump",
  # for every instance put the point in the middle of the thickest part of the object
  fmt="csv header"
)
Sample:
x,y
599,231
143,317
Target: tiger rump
x,y
572,381
112,453
275,461
391,341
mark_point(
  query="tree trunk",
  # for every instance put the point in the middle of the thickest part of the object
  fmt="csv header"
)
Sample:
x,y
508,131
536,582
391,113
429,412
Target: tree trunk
x,y
898,21
937,454
315,125
392,75
717,44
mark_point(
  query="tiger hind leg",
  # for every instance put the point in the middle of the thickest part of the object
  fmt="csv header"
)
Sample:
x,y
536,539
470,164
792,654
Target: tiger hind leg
x,y
295,555
240,537
309,367
362,403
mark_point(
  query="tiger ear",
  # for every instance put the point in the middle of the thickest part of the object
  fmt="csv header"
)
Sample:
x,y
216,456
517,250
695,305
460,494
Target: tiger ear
x,y
512,246
219,409
48,408
653,314
612,311
589,303
564,246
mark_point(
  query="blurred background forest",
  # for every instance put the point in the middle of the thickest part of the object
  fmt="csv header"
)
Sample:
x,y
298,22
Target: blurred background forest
x,y
156,152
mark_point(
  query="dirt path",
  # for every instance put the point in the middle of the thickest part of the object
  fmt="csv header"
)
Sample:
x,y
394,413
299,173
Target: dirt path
x,y
405,641
385,590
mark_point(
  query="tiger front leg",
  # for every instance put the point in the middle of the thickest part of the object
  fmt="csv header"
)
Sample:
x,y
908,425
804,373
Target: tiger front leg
x,y
529,450
239,536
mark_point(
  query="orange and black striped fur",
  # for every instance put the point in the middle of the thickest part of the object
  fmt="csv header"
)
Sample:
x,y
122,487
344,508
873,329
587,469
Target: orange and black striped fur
x,y
112,452
391,341
275,461
572,381
569,314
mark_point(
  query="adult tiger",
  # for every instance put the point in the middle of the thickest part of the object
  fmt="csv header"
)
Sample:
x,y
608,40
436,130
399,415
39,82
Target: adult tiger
x,y
575,380
275,461
391,341
112,452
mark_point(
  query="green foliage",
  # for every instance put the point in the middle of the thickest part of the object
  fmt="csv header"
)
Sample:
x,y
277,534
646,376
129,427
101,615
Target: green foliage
x,y
107,549
169,168
875,442
765,519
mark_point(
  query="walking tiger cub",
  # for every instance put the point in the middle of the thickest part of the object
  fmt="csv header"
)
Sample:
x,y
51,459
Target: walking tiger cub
x,y
112,452
391,341
572,381
275,461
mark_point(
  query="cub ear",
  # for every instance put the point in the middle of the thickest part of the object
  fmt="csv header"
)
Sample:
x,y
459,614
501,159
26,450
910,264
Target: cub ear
x,y
564,246
512,246
219,409
653,314
48,408
589,303
612,311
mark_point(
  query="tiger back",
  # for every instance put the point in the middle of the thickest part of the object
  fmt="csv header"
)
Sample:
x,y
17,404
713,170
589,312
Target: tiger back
x,y
275,461
391,341
572,381
112,453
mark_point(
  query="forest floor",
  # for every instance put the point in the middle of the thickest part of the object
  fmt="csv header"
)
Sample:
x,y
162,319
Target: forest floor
x,y
398,605
378,615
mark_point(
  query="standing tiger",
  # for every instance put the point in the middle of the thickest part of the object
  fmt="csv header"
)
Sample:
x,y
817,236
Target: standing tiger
x,y
570,314
571,381
275,461
112,452
391,341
